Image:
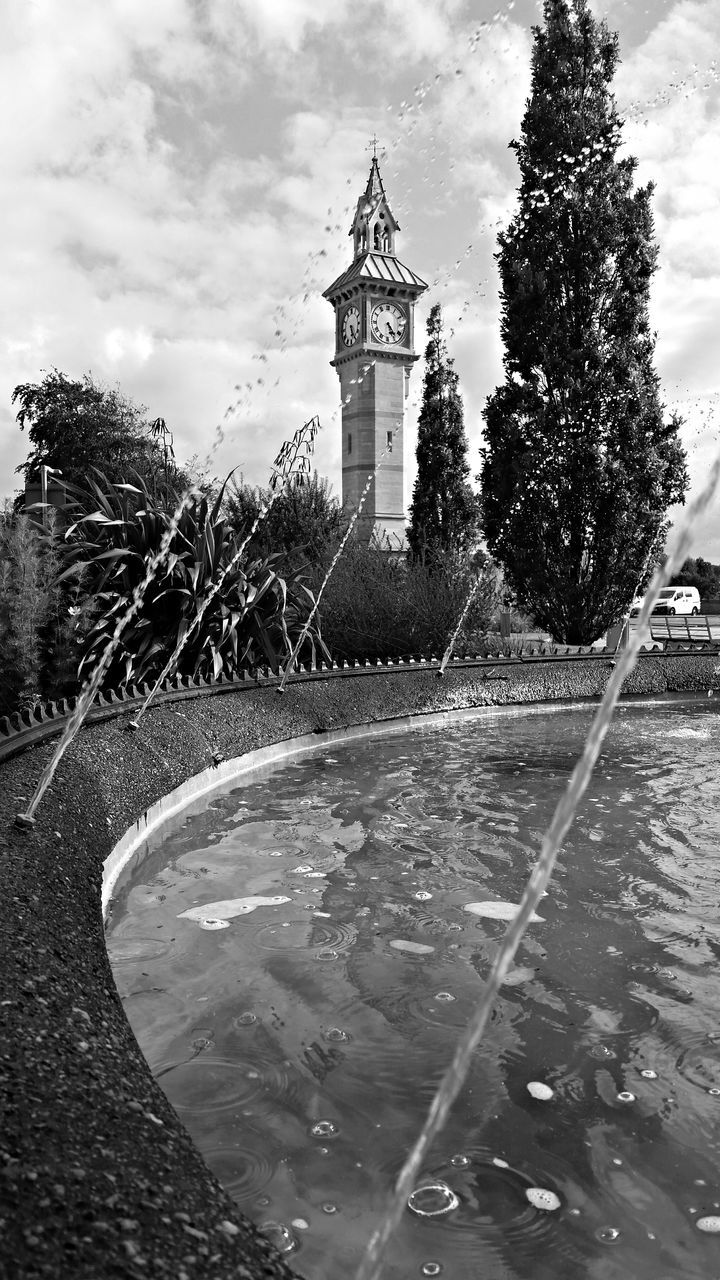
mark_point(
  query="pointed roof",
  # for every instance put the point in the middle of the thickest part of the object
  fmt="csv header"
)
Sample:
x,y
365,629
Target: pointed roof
x,y
376,266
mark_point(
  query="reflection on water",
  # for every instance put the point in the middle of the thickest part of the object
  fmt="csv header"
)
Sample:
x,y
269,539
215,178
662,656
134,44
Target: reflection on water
x,y
303,1043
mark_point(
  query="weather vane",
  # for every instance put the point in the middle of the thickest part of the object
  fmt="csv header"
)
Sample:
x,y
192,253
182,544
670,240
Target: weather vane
x,y
374,144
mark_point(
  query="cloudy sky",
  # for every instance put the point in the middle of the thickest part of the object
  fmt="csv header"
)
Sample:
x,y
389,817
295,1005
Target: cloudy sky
x,y
178,179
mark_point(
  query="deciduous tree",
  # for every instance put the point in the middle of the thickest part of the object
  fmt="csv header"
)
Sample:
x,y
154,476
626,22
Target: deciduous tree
x,y
77,425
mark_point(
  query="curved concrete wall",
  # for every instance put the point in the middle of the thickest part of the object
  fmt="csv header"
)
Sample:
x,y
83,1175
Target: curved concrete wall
x,y
98,1176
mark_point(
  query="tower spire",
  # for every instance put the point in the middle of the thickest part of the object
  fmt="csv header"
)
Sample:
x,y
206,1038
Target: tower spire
x,y
373,229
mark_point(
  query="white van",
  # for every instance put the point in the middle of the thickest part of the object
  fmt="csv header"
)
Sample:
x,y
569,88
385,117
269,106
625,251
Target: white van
x,y
672,600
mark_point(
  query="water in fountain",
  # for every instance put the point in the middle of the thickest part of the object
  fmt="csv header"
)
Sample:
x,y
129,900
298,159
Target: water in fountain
x,y
293,461
370,1268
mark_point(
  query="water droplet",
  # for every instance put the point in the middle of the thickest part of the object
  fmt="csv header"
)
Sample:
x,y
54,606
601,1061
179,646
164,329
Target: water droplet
x,y
714,1093
601,1051
432,1200
324,1129
422,895
626,1096
300,1224
648,1074
460,1161
538,1090
709,1224
431,1269
326,955
202,1043
336,1035
541,1198
444,995
279,1235
607,1233
329,1207
245,1019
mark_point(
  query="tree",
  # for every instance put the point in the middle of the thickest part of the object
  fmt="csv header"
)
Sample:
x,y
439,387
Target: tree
x,y
444,509
579,464
77,426
304,524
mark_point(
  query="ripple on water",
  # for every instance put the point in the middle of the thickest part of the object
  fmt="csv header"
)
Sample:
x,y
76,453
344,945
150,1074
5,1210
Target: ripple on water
x,y
485,1201
129,950
309,935
699,1064
208,1083
245,1169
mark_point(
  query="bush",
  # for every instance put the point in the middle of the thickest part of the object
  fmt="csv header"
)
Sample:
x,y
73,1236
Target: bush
x,y
379,605
38,615
251,618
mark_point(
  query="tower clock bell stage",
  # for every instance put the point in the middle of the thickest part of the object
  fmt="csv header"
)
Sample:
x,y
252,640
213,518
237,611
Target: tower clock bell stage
x,y
374,303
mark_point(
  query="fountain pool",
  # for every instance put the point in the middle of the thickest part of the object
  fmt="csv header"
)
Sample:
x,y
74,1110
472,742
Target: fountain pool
x,y
297,959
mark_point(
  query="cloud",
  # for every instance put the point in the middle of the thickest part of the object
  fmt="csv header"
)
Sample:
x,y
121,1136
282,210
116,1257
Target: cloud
x,y
180,188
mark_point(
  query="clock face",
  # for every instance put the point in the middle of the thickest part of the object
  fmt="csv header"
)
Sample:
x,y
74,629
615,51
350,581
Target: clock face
x,y
388,322
350,328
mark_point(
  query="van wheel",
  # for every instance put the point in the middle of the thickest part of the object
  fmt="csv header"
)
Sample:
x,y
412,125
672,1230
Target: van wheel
x,y
672,611
695,612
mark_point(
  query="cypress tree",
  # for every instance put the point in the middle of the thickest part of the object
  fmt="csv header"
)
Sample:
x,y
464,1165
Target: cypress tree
x,y
444,510
579,463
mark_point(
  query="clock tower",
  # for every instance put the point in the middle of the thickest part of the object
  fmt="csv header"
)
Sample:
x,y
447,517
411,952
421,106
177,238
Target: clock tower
x,y
374,301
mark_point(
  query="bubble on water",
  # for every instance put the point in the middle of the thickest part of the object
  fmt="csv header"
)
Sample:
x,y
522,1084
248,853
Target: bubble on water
x,y
214,924
304,868
607,1234
648,1074
280,1235
460,1161
626,1096
431,1269
300,1224
422,895
710,1224
444,995
601,1051
501,1164
245,1019
202,1043
329,1207
326,955
336,1035
432,1200
324,1129
714,1092
541,1198
542,1092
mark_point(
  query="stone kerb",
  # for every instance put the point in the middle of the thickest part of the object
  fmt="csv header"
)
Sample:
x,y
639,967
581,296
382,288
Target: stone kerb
x,y
98,1176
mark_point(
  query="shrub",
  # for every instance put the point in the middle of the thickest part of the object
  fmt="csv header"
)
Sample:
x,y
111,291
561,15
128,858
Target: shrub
x,y
251,620
38,626
379,605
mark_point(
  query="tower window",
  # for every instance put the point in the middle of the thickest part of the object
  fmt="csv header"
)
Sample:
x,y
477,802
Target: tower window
x,y
349,441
